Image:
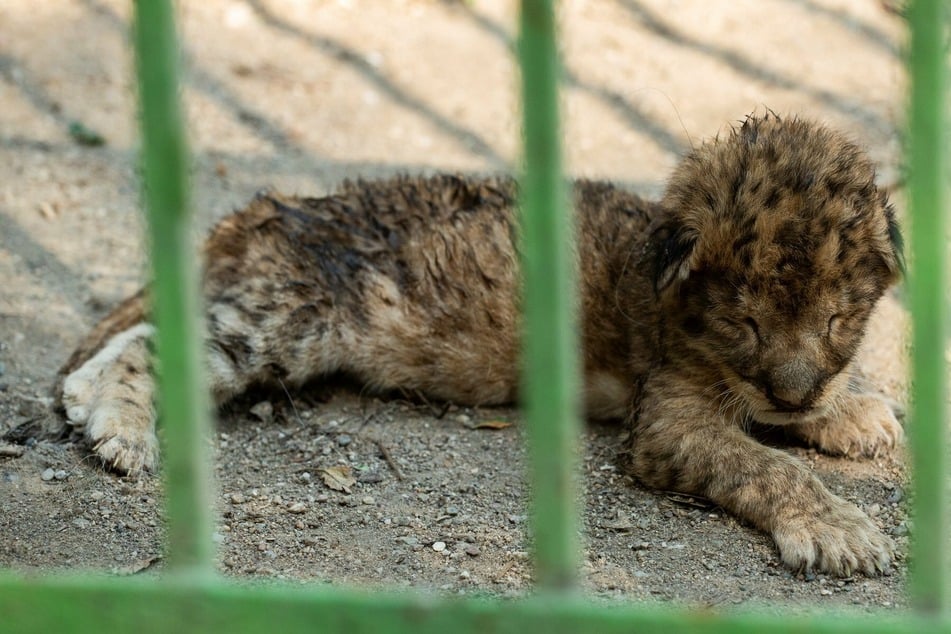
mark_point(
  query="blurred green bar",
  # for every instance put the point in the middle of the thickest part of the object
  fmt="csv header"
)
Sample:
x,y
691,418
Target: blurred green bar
x,y
183,410
182,606
927,286
550,357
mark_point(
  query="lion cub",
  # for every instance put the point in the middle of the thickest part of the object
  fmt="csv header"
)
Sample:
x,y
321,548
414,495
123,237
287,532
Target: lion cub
x,y
742,295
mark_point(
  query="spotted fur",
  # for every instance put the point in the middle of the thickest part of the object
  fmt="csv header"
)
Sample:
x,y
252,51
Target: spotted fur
x,y
742,295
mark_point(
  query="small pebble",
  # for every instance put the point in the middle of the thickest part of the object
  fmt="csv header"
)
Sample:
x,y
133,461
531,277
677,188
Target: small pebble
x,y
48,475
452,510
472,550
439,546
263,411
61,475
370,477
8,450
237,498
47,210
368,500
896,495
297,507
900,530
343,440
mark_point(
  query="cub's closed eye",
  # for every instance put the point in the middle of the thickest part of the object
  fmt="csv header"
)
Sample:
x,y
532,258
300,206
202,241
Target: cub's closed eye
x,y
747,326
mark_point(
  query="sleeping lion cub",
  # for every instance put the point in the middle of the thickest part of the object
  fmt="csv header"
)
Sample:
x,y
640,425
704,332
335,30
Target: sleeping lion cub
x,y
741,296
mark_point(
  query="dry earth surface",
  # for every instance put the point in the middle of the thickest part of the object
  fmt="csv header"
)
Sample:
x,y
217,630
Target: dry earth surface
x,y
299,94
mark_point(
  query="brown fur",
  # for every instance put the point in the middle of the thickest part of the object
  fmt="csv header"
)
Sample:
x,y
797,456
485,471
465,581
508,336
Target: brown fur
x,y
742,295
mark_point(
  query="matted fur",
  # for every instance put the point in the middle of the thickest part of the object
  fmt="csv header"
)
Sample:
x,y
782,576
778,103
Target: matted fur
x,y
742,295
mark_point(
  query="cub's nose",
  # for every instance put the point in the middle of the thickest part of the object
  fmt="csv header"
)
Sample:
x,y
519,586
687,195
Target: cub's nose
x,y
793,384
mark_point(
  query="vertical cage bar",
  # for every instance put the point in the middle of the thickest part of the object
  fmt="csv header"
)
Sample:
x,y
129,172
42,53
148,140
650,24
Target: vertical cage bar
x,y
181,396
929,582
550,339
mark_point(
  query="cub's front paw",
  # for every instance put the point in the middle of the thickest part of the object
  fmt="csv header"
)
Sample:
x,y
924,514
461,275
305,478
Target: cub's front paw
x,y
864,426
839,540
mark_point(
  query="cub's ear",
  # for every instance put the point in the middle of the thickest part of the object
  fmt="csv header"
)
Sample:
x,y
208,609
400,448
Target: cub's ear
x,y
895,260
671,253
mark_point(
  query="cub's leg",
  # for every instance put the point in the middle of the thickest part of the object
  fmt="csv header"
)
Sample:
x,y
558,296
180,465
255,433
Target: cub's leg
x,y
109,397
860,424
680,442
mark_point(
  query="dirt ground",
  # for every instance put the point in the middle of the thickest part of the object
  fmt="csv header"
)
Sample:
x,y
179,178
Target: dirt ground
x,y
298,94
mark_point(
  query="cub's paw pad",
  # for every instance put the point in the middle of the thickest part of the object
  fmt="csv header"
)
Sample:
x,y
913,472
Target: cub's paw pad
x,y
839,541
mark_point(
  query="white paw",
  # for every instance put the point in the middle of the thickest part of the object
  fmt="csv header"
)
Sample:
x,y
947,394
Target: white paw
x,y
82,388
109,398
122,439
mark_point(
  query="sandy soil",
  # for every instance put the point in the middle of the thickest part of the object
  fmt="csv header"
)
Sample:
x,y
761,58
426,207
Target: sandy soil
x,y
299,94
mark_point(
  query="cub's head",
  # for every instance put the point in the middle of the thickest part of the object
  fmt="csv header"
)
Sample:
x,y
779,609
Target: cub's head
x,y
773,250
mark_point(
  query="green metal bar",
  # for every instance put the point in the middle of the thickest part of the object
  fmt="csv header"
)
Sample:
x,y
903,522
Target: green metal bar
x,y
550,340
199,603
182,606
182,399
927,284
